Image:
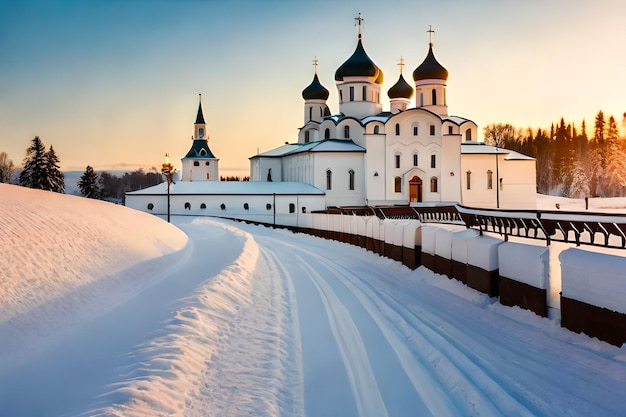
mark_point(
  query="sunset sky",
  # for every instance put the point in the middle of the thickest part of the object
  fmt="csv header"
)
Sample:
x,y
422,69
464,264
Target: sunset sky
x,y
114,84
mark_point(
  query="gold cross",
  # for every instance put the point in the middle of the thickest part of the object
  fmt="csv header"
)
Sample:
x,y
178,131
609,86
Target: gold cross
x,y
401,64
359,21
430,34
315,61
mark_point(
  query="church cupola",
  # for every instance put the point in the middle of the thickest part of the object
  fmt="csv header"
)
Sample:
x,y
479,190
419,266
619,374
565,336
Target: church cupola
x,y
400,93
315,96
358,82
430,83
199,164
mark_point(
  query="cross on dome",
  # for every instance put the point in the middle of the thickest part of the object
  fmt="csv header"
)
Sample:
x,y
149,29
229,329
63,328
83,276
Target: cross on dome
x,y
359,21
401,64
315,63
430,34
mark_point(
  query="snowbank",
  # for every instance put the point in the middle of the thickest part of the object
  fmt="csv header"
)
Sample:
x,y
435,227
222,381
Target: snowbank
x,y
54,244
524,263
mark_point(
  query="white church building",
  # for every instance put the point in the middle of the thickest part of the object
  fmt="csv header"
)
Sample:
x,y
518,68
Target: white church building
x,y
413,152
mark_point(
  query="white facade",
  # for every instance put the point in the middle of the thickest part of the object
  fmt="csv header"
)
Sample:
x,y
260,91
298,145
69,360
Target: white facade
x,y
406,155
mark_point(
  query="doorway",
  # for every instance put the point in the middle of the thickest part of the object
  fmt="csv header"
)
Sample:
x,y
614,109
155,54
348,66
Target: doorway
x,y
415,190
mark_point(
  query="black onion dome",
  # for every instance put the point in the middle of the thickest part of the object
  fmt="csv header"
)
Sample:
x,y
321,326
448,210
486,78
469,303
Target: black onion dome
x,y
401,89
359,65
315,91
430,68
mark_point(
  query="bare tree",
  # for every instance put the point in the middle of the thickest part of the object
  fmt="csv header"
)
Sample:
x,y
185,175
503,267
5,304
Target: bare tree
x,y
6,168
500,134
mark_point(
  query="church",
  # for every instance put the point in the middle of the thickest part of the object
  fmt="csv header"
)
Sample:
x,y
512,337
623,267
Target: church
x,y
413,152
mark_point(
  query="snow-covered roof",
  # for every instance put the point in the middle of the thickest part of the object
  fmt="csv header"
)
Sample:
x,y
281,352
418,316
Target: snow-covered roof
x,y
326,145
457,119
479,148
231,188
375,119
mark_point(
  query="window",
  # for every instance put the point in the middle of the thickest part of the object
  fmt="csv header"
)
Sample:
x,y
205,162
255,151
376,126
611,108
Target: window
x,y
346,132
468,179
307,136
490,180
187,206
376,130
351,93
450,130
414,130
432,130
434,94
351,179
397,158
203,152
201,133
292,208
268,206
415,159
468,135
303,209
340,96
196,163
329,179
421,99
206,163
364,93
223,206
433,161
310,113
397,184
203,206
246,206
327,133
207,176
397,129
433,185
150,206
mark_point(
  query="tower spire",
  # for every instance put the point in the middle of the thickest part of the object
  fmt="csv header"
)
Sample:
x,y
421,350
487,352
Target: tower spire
x,y
200,116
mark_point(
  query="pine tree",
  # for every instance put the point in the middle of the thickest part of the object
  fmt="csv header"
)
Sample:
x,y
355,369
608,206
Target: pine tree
x,y
615,173
89,184
56,179
35,163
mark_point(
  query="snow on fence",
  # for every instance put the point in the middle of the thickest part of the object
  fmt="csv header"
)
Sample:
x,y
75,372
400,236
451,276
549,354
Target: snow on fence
x,y
482,265
460,242
593,294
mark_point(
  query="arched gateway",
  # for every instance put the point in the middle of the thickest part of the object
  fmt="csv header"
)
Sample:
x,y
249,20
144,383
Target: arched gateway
x,y
415,190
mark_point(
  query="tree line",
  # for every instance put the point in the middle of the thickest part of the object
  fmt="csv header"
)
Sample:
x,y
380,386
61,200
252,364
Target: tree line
x,y
41,170
569,162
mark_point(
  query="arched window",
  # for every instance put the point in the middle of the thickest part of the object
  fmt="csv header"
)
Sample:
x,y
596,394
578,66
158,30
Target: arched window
x,y
196,163
351,179
376,130
397,160
223,206
397,184
468,135
415,159
433,161
364,93
329,179
150,206
468,179
202,206
340,96
246,206
307,136
415,130
327,133
268,206
310,113
187,206
490,180
433,185
292,208
421,99
432,130
351,93
203,152
434,94
346,132
450,130
397,129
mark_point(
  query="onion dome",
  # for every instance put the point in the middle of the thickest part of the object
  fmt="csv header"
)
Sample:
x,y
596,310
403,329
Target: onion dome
x,y
315,91
401,89
430,68
359,65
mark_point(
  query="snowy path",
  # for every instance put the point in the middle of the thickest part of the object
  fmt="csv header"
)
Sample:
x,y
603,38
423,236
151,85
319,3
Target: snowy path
x,y
255,321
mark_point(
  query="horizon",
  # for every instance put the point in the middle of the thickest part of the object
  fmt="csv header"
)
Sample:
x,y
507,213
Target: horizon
x,y
105,82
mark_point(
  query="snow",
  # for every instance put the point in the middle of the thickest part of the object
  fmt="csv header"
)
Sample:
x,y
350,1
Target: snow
x,y
232,319
524,263
230,188
594,278
483,252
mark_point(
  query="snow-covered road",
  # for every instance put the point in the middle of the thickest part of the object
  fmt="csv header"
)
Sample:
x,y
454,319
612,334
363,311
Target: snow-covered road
x,y
249,320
